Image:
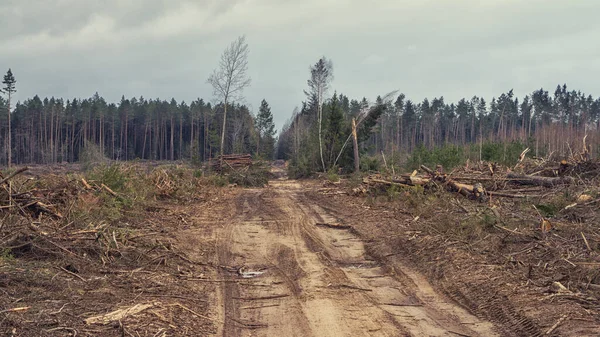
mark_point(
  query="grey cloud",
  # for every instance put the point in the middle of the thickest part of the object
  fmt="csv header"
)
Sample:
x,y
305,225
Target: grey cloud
x,y
161,48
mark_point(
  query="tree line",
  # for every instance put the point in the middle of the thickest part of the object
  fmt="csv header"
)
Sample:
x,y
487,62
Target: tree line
x,y
317,137
546,122
53,130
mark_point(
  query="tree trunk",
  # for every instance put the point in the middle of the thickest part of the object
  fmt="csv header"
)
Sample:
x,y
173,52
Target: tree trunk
x,y
180,153
126,127
172,139
144,146
9,134
191,134
355,142
223,132
258,145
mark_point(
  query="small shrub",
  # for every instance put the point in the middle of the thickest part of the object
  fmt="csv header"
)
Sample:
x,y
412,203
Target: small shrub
x,y
6,255
449,156
256,176
504,153
547,210
300,168
332,175
355,180
369,163
113,176
217,180
394,192
90,156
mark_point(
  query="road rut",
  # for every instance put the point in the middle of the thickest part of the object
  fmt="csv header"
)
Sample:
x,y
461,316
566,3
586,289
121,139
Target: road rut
x,y
289,268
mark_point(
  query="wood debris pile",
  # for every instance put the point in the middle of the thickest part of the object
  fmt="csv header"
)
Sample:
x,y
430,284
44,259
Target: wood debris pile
x,y
528,179
164,185
19,197
76,248
231,161
37,216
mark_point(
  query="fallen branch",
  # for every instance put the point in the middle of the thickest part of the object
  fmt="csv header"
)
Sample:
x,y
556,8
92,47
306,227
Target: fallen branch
x,y
511,195
195,313
107,189
72,274
19,171
385,182
587,244
15,309
86,184
524,179
560,320
119,314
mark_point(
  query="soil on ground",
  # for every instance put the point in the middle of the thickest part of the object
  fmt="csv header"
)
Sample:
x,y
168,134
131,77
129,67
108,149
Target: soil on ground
x,y
297,259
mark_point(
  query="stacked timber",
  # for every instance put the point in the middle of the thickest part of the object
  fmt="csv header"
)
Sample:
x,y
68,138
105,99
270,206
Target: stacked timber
x,y
231,161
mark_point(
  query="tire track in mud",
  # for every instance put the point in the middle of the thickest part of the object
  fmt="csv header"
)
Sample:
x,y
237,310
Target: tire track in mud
x,y
318,281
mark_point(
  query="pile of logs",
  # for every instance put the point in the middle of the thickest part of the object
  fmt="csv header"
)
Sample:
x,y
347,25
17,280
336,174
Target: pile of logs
x,y
231,161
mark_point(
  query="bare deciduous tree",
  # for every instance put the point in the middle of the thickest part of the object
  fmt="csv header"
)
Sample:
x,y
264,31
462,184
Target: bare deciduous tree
x,y
230,79
320,76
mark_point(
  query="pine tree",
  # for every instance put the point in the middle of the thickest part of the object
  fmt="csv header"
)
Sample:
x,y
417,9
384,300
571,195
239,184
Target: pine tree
x,y
334,131
266,130
9,82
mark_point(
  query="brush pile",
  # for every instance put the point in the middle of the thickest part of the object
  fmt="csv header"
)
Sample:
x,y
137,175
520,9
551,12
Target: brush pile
x,y
39,217
17,196
81,244
530,178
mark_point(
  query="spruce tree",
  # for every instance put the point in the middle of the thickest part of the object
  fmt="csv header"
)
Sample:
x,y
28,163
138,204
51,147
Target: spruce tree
x,y
9,88
266,131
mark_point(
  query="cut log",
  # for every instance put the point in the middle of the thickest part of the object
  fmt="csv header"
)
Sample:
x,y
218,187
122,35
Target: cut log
x,y
539,181
370,181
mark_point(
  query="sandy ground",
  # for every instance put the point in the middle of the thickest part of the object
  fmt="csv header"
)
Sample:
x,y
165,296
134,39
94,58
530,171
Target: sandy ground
x,y
288,268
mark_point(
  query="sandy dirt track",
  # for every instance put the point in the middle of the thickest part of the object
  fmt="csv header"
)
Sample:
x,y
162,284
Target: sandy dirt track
x,y
289,268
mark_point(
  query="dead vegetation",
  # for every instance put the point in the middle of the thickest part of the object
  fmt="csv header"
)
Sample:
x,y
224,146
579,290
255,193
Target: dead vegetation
x,y
241,170
94,254
517,245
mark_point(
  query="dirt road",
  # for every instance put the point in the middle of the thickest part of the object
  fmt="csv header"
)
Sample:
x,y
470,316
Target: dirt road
x,y
289,268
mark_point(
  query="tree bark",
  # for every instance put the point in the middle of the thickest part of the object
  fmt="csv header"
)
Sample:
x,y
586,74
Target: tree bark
x,y
539,181
320,109
223,131
355,143
9,134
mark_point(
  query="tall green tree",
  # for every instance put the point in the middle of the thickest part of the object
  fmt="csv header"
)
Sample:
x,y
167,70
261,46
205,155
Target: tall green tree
x,y
266,130
9,88
334,130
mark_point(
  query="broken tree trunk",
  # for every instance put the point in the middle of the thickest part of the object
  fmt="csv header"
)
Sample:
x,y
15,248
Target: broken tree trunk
x,y
412,180
539,181
355,143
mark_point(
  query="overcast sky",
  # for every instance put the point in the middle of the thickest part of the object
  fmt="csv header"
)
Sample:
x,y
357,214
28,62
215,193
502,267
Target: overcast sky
x,y
167,48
